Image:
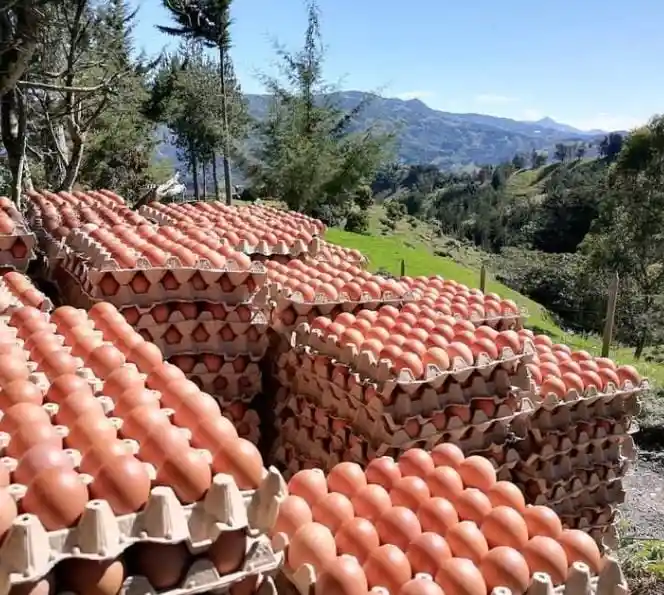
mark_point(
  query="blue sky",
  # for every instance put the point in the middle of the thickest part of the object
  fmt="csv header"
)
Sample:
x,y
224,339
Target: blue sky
x,y
588,63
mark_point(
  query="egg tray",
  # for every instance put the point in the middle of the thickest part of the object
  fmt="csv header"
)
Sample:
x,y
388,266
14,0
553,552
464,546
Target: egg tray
x,y
580,580
247,423
298,247
253,313
193,337
203,577
8,245
612,405
366,365
229,387
581,485
350,386
28,551
383,431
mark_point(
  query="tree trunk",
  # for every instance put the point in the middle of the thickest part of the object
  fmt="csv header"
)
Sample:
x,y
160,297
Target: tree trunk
x,y
641,345
224,122
194,169
73,166
204,170
215,177
14,125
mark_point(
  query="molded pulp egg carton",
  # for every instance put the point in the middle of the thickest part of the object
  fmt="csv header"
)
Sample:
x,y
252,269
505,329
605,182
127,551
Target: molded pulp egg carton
x,y
16,248
226,381
580,580
28,551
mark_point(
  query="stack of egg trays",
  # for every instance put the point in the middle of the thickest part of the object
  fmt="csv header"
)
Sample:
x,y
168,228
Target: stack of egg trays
x,y
311,436
574,452
29,552
289,310
17,247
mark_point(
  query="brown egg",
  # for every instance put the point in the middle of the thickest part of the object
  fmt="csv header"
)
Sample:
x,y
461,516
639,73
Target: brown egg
x,y
95,458
544,554
57,496
23,414
27,436
187,472
410,492
121,480
309,484
228,551
333,510
388,567
91,577
293,513
161,376
447,455
241,459
505,567
91,428
146,356
8,512
417,462
77,405
104,359
505,526
357,537
66,385
398,526
212,433
421,586
427,552
36,459
472,505
371,502
437,515
122,379
163,565
541,520
342,576
477,472
383,471
467,541
459,576
312,544
346,478
445,482
505,493
580,547
135,397
20,391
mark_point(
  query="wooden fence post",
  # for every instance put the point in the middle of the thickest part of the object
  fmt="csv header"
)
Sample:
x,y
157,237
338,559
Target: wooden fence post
x,y
610,316
403,267
482,278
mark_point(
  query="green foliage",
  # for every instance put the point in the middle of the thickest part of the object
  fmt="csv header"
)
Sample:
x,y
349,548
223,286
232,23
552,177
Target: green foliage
x,y
357,221
537,159
206,21
307,156
610,146
519,161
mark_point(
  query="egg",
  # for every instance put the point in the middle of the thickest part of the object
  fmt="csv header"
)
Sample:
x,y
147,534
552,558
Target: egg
x,y
427,552
388,567
544,554
459,576
162,565
228,551
357,537
313,544
504,526
342,576
91,577
309,484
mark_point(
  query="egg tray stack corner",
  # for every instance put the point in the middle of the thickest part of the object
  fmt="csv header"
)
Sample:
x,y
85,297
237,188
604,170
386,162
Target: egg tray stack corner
x,y
103,478
433,523
17,242
569,449
197,299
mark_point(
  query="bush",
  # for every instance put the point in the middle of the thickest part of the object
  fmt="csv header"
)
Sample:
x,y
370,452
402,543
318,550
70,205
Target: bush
x,y
357,222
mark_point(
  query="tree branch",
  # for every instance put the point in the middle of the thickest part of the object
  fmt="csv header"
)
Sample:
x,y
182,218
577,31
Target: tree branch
x,y
64,89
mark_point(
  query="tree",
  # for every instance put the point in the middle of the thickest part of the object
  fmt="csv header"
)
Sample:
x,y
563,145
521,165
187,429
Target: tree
x,y
519,161
628,237
580,151
498,178
537,159
561,152
208,21
308,157
610,146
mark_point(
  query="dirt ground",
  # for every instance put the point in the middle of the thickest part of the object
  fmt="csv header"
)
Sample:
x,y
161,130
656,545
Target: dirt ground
x,y
643,510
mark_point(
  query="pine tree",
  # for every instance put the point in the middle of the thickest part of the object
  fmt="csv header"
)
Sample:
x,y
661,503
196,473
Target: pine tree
x,y
208,22
308,156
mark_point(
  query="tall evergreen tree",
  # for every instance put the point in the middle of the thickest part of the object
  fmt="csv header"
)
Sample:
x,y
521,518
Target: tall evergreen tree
x,y
208,22
308,156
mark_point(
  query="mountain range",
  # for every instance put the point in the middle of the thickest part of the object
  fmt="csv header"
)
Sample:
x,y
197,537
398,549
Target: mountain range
x,y
448,140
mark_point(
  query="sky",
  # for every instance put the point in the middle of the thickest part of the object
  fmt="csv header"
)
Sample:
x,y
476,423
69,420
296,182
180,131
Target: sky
x,y
593,64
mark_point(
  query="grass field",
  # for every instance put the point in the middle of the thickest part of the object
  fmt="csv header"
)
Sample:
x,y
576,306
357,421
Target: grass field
x,y
419,246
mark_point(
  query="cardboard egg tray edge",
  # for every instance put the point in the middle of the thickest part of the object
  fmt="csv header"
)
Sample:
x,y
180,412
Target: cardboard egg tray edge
x,y
610,581
30,551
259,315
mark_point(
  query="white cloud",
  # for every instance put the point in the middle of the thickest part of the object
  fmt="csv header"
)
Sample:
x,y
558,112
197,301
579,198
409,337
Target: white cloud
x,y
416,95
494,98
